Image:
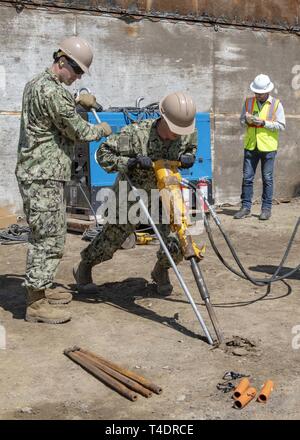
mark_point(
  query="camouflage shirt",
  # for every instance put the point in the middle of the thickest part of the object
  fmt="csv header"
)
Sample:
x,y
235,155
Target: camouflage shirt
x,y
142,139
49,128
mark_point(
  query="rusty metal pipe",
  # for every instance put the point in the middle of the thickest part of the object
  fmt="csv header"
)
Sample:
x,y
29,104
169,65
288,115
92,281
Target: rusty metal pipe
x,y
134,386
102,376
140,379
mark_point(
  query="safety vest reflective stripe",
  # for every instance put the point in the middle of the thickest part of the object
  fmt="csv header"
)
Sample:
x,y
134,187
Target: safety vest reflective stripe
x,y
250,105
273,109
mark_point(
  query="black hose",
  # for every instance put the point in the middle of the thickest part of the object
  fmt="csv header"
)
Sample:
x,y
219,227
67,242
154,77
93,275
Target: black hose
x,y
246,276
255,281
14,234
137,114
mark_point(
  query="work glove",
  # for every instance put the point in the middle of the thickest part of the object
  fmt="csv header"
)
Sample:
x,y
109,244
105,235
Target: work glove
x,y
106,128
187,160
142,162
87,101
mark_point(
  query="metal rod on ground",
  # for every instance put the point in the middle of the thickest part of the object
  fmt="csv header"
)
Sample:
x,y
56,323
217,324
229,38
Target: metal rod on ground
x,y
205,296
140,379
103,377
179,277
134,386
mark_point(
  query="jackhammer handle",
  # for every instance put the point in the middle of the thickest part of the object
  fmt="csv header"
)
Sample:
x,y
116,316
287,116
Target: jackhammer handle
x,y
165,163
172,163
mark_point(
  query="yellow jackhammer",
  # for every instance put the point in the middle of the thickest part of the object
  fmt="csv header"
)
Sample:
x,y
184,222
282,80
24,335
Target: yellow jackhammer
x,y
169,183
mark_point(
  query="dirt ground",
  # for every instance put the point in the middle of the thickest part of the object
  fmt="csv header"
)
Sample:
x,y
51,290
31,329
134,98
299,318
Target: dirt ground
x,y
159,338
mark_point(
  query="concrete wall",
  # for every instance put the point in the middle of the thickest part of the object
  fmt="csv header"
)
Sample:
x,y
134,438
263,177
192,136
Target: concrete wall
x,y
151,58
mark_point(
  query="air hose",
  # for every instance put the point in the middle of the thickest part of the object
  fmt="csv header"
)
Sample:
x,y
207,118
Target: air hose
x,y
245,274
14,234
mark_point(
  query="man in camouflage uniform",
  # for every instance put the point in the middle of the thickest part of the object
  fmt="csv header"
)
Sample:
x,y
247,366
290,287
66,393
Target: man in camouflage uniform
x,y
133,151
49,128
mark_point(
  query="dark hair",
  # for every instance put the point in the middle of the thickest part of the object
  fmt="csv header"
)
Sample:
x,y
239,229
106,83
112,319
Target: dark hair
x,y
57,55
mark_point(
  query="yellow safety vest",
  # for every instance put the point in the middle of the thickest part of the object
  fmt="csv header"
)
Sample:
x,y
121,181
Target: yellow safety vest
x,y
262,138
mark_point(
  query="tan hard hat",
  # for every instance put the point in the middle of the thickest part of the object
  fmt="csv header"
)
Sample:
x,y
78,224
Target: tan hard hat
x,y
78,50
178,110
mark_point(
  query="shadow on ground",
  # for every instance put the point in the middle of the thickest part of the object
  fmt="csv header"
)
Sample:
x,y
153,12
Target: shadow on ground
x,y
267,268
228,211
12,295
125,295
232,212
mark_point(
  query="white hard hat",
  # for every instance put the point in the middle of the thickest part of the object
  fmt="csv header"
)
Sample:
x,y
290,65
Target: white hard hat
x,y
262,84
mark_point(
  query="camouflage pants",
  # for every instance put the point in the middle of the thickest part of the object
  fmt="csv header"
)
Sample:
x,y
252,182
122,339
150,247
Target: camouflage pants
x,y
110,239
45,210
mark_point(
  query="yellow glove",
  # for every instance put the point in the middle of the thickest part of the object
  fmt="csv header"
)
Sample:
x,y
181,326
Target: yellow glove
x,y
87,101
106,128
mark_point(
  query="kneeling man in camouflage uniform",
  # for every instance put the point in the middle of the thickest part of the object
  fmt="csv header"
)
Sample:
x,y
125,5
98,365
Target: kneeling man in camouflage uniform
x,y
49,128
133,151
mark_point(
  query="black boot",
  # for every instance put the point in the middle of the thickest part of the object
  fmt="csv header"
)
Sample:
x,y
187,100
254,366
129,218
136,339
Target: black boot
x,y
265,214
242,213
160,276
82,273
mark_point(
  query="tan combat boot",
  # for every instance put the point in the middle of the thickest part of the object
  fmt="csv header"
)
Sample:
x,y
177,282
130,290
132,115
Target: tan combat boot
x,y
160,276
82,273
58,296
39,310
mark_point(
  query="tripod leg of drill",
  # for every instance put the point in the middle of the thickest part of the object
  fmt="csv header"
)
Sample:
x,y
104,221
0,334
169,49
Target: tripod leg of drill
x,y
205,296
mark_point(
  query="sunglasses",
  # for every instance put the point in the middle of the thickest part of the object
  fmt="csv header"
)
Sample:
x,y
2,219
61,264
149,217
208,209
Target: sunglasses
x,y
78,70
